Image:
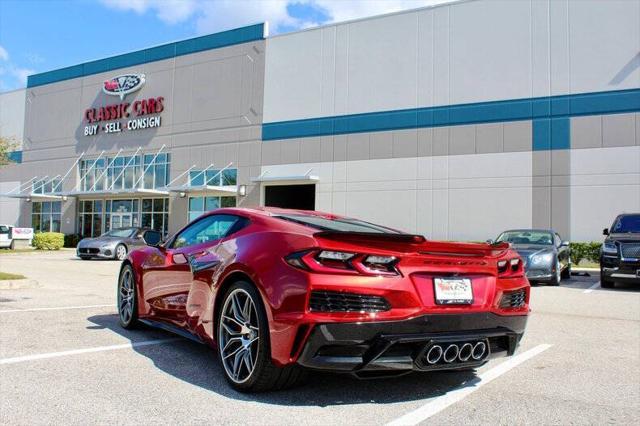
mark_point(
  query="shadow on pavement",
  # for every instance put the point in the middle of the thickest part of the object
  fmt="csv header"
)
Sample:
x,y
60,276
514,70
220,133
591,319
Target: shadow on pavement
x,y
198,364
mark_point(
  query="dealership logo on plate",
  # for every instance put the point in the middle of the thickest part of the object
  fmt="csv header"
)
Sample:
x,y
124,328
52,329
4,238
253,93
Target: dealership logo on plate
x,y
123,84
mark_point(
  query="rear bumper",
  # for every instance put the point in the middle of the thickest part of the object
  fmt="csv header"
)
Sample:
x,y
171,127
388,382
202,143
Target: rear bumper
x,y
397,347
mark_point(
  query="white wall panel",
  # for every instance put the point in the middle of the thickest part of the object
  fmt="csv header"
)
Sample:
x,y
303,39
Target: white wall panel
x,y
604,183
604,45
12,115
490,51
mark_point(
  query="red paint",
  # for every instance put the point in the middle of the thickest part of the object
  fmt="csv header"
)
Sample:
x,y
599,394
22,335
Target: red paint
x,y
123,110
170,292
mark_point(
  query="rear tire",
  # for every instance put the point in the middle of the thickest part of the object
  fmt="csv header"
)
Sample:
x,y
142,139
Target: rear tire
x,y
243,343
127,298
12,246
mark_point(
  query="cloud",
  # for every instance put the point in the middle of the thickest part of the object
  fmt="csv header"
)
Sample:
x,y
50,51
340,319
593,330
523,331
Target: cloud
x,y
4,55
12,76
211,16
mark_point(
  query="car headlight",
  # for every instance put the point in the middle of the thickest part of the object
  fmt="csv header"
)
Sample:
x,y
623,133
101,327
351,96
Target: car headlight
x,y
609,248
540,259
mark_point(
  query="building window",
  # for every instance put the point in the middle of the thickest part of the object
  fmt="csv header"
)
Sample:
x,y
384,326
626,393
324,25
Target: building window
x,y
200,205
46,186
155,214
123,172
45,216
90,218
156,173
213,177
91,175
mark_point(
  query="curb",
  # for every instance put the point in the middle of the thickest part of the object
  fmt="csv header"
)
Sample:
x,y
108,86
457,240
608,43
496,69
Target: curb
x,y
21,284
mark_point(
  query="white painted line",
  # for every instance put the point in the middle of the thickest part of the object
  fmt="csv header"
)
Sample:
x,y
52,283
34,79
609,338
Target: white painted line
x,y
85,351
438,404
593,287
56,308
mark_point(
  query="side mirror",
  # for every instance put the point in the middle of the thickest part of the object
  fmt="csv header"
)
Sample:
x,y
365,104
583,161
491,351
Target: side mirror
x,y
605,231
564,244
152,239
489,241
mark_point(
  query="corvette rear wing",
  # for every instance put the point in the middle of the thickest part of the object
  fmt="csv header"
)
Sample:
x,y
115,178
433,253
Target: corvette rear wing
x,y
414,243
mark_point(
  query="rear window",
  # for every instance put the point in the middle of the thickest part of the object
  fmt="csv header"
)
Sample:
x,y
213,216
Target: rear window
x,y
340,225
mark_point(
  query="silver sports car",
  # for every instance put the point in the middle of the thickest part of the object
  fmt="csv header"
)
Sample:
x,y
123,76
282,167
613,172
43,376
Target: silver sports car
x,y
116,243
547,258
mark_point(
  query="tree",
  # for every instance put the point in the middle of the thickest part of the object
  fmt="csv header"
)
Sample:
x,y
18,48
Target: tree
x,y
7,145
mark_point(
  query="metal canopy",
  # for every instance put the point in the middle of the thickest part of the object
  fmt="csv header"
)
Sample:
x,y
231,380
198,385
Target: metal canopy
x,y
214,190
38,197
266,178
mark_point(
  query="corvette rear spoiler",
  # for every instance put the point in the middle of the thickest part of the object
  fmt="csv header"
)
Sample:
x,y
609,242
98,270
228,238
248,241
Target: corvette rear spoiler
x,y
415,243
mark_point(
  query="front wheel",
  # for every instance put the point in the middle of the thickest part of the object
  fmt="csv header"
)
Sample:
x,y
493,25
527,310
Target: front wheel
x,y
121,252
566,274
127,298
243,343
604,281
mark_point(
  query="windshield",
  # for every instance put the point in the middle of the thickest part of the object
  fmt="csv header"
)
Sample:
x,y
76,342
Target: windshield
x,y
527,237
120,233
340,225
627,224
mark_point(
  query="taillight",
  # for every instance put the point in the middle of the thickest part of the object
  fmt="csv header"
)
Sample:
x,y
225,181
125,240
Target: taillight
x,y
510,267
329,261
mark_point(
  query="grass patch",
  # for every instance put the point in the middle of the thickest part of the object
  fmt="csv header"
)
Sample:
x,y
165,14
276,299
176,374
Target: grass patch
x,y
19,250
8,276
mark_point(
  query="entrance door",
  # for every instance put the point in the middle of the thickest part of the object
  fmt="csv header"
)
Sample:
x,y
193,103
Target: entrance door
x,y
121,220
301,197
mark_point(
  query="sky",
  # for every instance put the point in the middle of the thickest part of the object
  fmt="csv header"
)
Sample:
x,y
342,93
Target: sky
x,y
41,35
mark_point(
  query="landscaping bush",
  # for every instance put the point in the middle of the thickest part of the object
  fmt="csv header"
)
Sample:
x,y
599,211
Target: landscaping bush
x,y
48,240
587,251
72,240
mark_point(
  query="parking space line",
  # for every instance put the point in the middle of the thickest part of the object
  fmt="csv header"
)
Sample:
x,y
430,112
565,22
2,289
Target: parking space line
x,y
438,404
593,287
36,357
55,308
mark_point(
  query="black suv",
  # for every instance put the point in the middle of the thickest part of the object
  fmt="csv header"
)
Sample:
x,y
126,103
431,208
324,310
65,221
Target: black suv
x,y
620,253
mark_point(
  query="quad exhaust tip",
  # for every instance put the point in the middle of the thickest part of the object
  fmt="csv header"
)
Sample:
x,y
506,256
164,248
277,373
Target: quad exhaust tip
x,y
479,350
453,353
435,354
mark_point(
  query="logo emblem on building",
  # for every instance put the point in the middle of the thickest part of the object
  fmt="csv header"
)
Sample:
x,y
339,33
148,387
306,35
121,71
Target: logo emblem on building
x,y
124,84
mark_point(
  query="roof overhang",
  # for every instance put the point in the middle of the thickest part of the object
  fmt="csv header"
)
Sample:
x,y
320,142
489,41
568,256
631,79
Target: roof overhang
x,y
212,190
119,193
37,197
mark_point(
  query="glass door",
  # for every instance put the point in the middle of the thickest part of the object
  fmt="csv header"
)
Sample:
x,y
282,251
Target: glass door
x,y
121,220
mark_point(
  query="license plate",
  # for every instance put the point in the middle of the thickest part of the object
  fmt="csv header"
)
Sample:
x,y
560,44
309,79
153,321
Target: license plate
x,y
453,291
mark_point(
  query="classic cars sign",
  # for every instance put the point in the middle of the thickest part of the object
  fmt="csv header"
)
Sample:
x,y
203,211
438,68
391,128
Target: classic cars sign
x,y
123,116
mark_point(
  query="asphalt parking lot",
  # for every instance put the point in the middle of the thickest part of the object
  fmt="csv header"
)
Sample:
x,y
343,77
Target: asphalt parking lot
x,y
63,358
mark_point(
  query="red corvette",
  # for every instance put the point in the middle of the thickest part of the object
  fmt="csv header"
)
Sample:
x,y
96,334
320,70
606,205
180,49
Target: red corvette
x,y
278,291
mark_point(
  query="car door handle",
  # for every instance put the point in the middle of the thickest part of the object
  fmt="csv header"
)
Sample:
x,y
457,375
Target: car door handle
x,y
202,263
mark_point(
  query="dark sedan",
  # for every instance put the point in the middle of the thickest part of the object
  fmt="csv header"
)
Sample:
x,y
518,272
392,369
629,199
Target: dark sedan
x,y
117,243
620,253
547,258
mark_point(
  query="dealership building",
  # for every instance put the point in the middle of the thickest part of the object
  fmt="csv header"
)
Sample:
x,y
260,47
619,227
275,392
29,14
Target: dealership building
x,y
454,121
